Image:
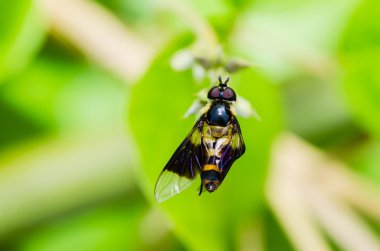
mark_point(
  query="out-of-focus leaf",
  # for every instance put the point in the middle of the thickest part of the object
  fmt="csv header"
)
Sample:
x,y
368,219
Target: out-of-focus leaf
x,y
241,4
130,10
158,103
219,14
67,95
111,227
21,35
275,238
366,160
43,178
209,8
287,38
360,49
14,126
323,117
36,92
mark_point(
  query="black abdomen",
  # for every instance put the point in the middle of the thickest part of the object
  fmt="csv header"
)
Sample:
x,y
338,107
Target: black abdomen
x,y
218,114
210,175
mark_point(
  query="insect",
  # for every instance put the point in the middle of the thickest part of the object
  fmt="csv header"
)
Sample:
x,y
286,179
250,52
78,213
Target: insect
x,y
209,150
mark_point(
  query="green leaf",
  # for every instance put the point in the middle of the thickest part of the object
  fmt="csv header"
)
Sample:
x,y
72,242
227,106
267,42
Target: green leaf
x,y
360,49
22,35
291,37
109,227
158,102
67,95
16,127
275,237
45,177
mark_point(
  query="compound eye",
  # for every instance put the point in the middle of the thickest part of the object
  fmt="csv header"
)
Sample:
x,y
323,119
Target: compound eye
x,y
213,93
229,94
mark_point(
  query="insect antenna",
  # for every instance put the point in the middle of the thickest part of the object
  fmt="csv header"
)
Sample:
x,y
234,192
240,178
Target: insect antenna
x,y
221,83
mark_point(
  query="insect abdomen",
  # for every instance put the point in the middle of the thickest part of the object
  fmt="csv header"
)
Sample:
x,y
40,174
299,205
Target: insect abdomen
x,y
215,141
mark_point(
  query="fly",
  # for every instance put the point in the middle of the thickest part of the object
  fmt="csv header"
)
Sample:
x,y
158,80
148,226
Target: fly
x,y
208,151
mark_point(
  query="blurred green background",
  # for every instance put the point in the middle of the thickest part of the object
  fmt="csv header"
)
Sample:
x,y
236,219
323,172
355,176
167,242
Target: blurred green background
x,y
91,109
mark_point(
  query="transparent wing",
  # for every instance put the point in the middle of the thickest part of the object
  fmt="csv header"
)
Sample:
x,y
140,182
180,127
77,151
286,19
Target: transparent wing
x,y
170,184
183,166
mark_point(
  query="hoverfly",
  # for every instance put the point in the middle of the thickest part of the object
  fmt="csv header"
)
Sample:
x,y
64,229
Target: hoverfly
x,y
210,148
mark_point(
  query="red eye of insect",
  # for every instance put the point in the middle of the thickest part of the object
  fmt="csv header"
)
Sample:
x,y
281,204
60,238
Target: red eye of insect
x,y
229,94
213,93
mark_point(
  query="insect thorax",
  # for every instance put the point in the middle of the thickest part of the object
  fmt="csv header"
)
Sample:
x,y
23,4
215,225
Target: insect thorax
x,y
219,114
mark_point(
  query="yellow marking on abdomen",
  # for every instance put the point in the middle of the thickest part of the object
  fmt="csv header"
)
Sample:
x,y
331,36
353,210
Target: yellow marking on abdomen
x,y
209,167
211,152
